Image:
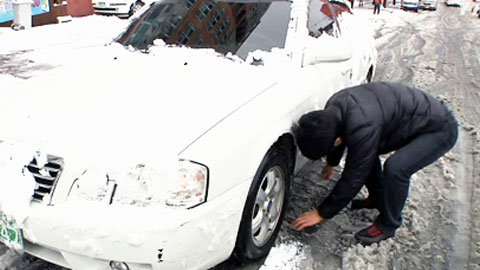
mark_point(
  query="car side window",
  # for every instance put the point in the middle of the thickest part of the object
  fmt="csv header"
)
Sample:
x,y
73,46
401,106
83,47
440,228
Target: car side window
x,y
322,19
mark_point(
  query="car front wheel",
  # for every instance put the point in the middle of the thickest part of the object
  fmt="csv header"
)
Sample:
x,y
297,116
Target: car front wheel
x,y
265,207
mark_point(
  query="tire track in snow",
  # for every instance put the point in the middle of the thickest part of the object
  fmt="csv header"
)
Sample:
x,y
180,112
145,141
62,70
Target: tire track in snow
x,y
465,92
443,61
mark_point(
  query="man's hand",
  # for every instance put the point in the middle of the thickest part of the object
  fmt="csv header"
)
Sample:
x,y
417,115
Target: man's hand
x,y
327,172
307,219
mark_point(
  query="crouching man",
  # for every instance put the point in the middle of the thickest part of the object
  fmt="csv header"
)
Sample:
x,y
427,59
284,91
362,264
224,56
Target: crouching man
x,y
370,120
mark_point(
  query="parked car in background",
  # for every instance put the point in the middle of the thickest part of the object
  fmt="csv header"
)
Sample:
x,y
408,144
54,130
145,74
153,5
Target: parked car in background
x,y
120,8
455,3
476,8
428,4
176,151
410,5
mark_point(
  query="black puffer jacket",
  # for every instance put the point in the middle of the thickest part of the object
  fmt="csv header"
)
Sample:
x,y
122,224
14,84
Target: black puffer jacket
x,y
375,119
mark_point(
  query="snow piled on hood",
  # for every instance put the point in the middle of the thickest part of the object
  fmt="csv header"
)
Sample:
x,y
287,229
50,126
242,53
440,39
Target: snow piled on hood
x,y
7,82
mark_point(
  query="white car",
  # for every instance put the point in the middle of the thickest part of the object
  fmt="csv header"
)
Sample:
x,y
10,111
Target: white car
x,y
172,148
455,3
428,4
410,4
120,8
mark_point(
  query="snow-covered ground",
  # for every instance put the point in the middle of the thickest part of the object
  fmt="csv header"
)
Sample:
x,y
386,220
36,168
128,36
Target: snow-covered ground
x,y
441,225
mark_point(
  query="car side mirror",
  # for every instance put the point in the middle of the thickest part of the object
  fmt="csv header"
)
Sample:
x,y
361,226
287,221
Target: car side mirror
x,y
326,49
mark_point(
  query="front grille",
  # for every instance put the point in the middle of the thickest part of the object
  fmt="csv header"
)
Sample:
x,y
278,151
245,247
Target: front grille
x,y
46,175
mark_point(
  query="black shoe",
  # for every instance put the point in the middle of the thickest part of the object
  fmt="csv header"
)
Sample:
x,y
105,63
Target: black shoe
x,y
362,204
371,234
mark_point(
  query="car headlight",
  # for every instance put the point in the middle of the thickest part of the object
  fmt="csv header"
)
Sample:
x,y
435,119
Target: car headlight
x,y
190,186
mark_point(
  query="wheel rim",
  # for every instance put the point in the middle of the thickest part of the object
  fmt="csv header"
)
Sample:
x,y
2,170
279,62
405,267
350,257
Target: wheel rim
x,y
268,206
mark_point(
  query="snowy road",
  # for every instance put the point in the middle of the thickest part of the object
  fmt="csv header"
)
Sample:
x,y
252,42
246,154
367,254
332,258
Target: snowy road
x,y
438,51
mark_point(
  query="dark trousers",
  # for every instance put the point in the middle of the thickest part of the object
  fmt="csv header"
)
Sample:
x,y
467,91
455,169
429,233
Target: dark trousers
x,y
388,186
376,8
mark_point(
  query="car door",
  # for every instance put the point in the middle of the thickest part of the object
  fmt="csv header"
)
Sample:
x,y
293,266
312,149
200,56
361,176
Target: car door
x,y
357,32
327,52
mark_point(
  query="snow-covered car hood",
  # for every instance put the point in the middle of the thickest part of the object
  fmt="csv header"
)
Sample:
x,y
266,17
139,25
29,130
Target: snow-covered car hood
x,y
132,103
127,108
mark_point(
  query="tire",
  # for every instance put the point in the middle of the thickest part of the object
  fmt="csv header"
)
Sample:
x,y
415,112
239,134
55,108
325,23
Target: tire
x,y
265,206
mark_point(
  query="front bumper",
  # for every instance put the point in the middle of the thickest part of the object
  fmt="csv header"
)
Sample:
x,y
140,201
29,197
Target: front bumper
x,y
89,236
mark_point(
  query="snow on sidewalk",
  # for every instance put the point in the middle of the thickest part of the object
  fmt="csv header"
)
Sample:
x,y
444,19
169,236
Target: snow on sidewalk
x,y
80,32
25,53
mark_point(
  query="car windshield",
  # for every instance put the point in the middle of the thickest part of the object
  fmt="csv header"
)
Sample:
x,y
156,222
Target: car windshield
x,y
237,27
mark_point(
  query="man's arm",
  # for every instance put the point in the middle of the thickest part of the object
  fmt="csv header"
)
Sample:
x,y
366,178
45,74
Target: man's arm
x,y
360,158
307,219
334,157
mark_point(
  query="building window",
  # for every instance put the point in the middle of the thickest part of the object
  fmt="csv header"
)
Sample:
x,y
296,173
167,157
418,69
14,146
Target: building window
x,y
215,18
190,3
204,10
199,41
186,34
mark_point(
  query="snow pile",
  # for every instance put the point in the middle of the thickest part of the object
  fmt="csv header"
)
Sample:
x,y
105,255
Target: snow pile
x,y
286,256
370,257
24,54
51,39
